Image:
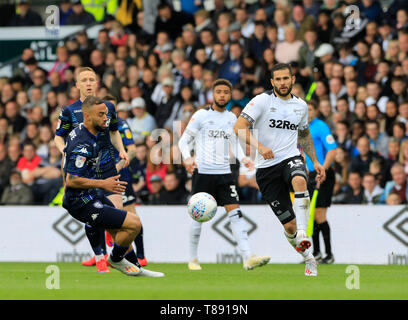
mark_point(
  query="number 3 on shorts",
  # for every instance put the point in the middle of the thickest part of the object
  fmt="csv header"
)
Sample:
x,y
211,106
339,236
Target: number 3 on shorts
x,y
234,192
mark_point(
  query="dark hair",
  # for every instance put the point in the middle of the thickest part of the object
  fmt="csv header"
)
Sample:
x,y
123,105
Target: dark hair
x,y
399,124
355,172
90,102
313,103
344,122
163,5
221,82
398,78
369,174
281,66
372,122
141,144
29,143
109,97
260,23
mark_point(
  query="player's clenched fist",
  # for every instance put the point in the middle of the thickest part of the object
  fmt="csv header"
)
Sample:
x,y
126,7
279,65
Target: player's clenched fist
x,y
265,152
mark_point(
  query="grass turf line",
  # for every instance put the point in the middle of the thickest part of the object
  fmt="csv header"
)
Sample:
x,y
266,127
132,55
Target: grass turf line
x,y
215,282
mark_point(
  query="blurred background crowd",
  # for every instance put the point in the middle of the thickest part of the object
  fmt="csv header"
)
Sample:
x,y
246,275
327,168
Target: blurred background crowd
x,y
159,59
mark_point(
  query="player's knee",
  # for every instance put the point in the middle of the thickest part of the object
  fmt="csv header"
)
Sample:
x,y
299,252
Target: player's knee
x,y
134,223
299,183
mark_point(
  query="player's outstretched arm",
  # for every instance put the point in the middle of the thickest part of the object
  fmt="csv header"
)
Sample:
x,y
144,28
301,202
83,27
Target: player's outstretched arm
x,y
306,142
110,184
118,144
241,129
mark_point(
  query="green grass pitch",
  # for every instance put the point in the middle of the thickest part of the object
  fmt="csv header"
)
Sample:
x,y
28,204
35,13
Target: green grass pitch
x,y
214,282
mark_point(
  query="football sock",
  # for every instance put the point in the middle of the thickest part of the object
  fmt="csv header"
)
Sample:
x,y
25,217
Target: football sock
x,y
307,254
301,205
326,236
131,257
92,234
139,244
291,238
316,240
195,232
239,231
99,257
102,240
118,252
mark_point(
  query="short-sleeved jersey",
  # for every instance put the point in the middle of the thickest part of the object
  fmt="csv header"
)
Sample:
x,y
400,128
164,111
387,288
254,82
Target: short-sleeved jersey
x,y
275,123
81,159
214,136
127,139
323,141
71,117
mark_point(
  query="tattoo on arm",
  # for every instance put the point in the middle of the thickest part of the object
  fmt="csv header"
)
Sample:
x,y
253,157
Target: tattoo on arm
x,y
306,142
132,154
72,177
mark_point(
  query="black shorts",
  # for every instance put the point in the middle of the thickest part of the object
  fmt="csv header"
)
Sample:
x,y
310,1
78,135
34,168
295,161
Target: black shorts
x,y
221,186
128,196
275,184
324,198
100,212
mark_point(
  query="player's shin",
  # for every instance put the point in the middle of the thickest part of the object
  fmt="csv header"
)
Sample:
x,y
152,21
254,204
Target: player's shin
x,y
139,244
94,236
118,252
301,204
131,257
195,232
239,231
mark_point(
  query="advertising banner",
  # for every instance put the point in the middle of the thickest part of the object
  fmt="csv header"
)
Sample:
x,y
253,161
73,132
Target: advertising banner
x,y
360,235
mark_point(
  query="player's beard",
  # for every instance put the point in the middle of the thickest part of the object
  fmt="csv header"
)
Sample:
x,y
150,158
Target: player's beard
x,y
284,94
219,105
99,128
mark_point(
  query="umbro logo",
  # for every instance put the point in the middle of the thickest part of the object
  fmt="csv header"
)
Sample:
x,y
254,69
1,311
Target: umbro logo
x,y
69,228
223,227
397,226
272,109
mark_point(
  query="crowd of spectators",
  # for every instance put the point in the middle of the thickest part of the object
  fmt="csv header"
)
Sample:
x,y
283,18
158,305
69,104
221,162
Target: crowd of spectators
x,y
161,72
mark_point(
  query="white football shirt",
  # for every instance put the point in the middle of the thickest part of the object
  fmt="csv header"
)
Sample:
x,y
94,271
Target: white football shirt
x,y
214,137
275,123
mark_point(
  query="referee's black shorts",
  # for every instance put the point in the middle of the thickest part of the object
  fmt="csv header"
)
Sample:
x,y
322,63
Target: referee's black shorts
x,y
324,198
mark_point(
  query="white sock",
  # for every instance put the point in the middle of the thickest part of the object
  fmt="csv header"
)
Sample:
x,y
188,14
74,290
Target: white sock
x,y
307,254
99,257
291,238
301,206
240,233
195,232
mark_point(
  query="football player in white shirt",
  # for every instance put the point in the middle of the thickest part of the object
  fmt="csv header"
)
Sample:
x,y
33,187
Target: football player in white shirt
x,y
210,132
280,121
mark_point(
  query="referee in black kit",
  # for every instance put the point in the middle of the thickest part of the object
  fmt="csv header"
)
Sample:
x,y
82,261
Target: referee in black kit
x,y
325,146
